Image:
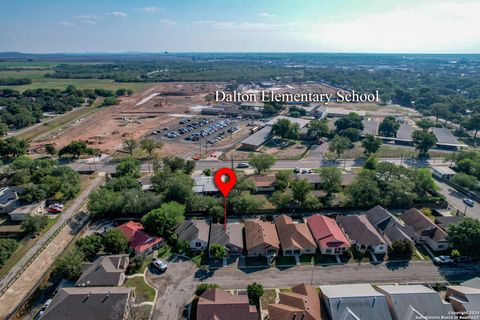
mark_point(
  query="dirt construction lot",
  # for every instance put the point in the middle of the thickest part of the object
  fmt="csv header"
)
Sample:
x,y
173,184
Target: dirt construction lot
x,y
136,116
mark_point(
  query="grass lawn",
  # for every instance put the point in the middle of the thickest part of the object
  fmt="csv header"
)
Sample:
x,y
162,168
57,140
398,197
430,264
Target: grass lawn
x,y
286,290
164,251
201,259
146,262
283,260
256,261
40,81
269,296
143,292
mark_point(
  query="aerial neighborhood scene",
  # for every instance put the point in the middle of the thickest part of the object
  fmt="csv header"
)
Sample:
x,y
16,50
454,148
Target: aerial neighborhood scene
x,y
240,160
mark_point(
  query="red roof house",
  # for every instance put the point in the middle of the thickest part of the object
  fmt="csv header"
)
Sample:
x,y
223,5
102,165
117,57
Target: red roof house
x,y
327,234
138,239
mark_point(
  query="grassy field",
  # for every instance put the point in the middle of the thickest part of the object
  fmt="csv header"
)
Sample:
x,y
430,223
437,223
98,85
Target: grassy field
x,y
143,292
40,81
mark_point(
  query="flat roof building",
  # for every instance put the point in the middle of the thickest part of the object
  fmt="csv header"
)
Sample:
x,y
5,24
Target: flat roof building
x,y
257,139
446,139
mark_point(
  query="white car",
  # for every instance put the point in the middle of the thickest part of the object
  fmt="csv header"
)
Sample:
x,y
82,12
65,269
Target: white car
x,y
443,260
468,202
159,264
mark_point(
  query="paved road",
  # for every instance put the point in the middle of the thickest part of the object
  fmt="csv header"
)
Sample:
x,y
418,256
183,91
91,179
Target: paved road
x,y
308,162
455,199
35,271
176,286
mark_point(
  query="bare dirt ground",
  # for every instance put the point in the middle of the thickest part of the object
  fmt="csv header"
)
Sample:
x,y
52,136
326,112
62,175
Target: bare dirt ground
x,y
107,129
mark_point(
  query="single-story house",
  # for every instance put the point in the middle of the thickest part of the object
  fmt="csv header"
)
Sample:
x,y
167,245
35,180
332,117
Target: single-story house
x,y
443,172
389,227
222,305
232,238
195,232
146,183
362,234
105,271
295,238
204,185
264,183
34,209
140,241
464,299
261,238
355,301
426,232
415,302
313,179
302,303
78,303
8,199
328,235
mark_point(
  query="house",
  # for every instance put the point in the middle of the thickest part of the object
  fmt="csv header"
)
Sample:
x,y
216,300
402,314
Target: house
x,y
146,183
362,234
76,303
263,183
414,302
302,303
313,179
34,209
232,238
355,301
261,238
464,299
295,238
195,232
105,271
443,172
328,235
445,222
389,227
8,199
140,241
426,231
216,304
204,185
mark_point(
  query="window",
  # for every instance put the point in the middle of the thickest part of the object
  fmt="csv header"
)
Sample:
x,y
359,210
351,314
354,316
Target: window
x,y
198,244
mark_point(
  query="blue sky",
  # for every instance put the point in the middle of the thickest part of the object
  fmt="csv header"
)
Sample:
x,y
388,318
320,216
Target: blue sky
x,y
425,26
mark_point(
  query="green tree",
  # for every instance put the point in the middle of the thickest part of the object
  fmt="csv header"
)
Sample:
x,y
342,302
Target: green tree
x,y
128,167
162,221
371,163
300,189
353,120
130,145
201,288
425,124
400,249
178,188
331,180
7,248
70,265
282,199
389,127
465,181
285,129
255,292
282,180
244,203
423,141
261,161
75,149
13,147
115,242
371,144
318,129
218,251
216,213
50,149
439,110
423,180
90,245
3,129
473,124
34,224
364,190
465,237
311,202
243,184
150,146
339,145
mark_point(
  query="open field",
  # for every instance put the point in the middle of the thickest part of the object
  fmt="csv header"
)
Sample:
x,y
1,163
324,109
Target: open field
x,y
40,81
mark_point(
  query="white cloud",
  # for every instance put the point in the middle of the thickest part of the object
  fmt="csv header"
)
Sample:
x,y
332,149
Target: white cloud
x,y
266,14
66,24
87,17
245,26
117,14
203,22
88,22
149,9
168,22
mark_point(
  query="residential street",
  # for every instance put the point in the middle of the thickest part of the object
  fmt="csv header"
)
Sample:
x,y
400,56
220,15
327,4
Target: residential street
x,y
25,275
177,284
455,199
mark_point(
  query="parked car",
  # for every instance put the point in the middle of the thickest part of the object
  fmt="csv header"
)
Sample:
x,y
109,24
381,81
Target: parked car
x,y
296,170
464,259
443,260
243,165
159,264
469,202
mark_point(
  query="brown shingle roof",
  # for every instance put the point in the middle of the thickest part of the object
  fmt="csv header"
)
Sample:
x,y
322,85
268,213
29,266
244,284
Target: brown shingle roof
x,y
216,304
359,229
258,232
422,225
293,234
105,271
302,303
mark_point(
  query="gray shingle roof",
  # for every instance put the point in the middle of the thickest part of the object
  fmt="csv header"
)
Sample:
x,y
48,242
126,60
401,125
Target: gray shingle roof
x,y
388,226
359,229
105,271
7,195
191,230
106,303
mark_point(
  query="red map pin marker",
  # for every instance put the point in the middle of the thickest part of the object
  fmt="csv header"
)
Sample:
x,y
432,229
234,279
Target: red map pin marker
x,y
225,185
